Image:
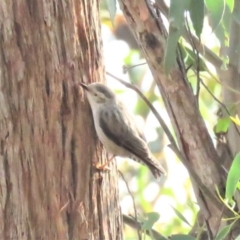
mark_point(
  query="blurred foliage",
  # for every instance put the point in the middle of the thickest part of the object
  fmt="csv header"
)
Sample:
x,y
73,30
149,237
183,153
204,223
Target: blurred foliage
x,y
172,199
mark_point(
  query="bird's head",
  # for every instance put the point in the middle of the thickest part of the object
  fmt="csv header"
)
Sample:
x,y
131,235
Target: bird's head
x,y
98,93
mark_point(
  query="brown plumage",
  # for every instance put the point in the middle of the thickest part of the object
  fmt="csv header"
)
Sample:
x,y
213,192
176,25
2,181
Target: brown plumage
x,y
116,128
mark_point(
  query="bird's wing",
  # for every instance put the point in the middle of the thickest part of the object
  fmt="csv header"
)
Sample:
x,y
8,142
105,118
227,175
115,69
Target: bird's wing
x,y
122,130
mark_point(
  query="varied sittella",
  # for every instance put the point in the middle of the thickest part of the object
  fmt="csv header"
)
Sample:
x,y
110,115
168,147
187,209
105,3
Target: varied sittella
x,y
116,128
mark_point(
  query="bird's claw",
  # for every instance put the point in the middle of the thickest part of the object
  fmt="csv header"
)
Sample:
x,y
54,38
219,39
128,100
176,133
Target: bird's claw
x,y
102,167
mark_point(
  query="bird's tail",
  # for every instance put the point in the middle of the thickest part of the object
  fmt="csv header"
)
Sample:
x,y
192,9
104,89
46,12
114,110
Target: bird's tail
x,y
153,165
157,170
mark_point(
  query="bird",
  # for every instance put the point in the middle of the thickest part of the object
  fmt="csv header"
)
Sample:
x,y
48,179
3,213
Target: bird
x,y
117,129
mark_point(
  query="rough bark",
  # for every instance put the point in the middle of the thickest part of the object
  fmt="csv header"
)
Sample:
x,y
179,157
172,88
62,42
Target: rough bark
x,y
193,138
49,187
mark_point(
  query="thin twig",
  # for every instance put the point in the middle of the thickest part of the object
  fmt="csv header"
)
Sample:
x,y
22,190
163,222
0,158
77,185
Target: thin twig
x,y
133,201
126,68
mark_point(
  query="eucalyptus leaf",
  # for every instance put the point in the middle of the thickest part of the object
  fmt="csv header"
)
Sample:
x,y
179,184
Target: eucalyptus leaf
x,y
224,232
222,30
230,4
152,217
222,125
196,9
180,215
216,11
233,178
176,27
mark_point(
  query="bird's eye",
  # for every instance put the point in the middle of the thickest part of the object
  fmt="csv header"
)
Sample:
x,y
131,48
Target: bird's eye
x,y
95,94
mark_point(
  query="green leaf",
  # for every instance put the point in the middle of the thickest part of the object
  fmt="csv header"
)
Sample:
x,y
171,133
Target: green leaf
x,y
176,26
230,4
221,34
112,8
222,125
182,237
235,120
180,215
152,217
238,186
196,9
216,10
224,232
222,30
233,178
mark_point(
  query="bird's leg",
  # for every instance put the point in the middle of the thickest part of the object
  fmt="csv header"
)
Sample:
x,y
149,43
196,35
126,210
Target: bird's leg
x,y
100,166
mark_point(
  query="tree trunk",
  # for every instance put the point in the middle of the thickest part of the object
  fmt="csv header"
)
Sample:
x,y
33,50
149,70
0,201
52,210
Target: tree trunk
x,y
49,187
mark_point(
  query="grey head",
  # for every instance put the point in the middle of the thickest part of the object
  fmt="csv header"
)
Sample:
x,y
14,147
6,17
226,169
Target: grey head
x,y
98,93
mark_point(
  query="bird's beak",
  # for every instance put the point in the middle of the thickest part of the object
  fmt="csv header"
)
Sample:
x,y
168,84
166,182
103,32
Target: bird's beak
x,y
84,86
